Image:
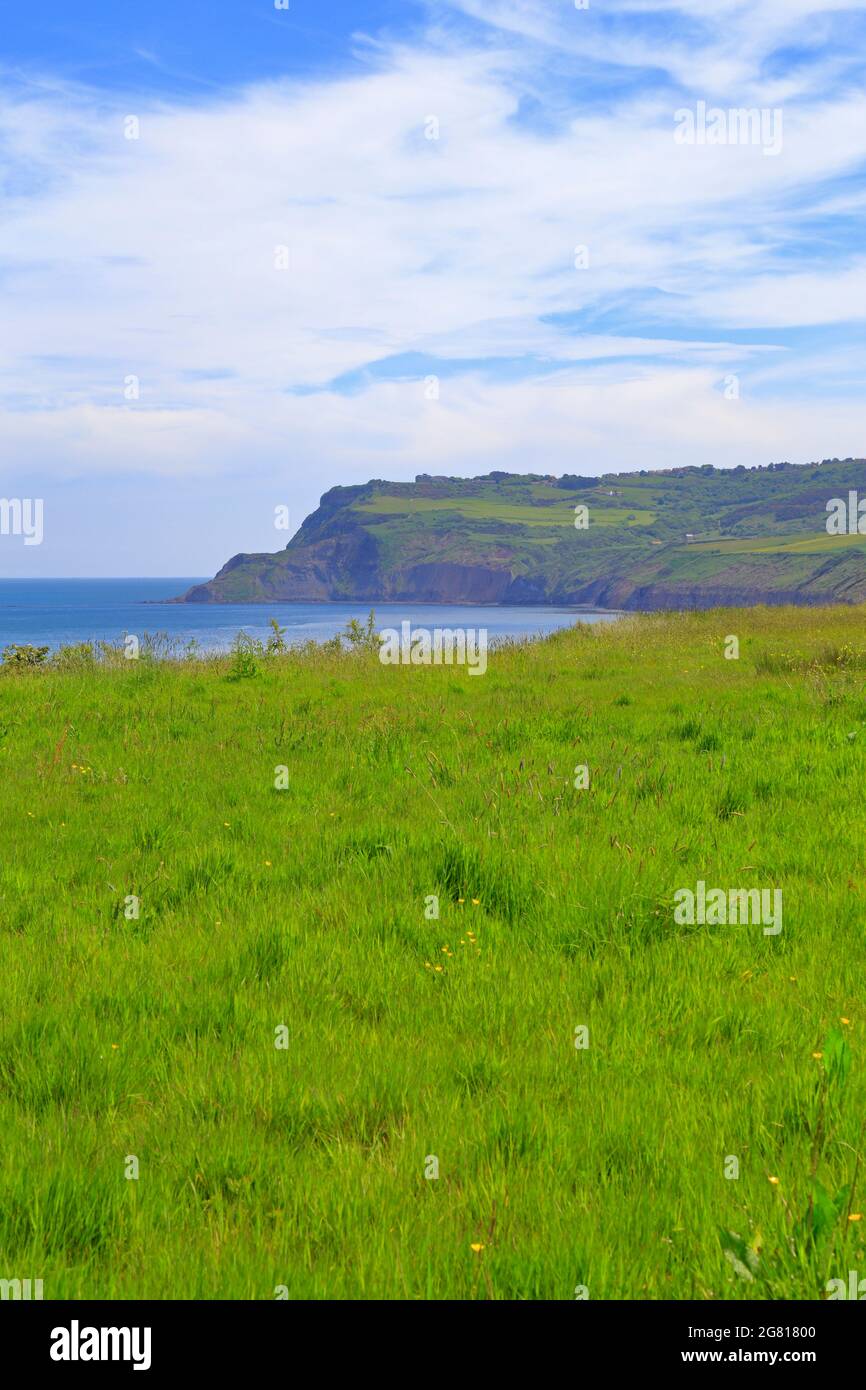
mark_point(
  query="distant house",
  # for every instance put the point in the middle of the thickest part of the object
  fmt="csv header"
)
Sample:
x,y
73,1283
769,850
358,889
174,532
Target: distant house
x,y
689,536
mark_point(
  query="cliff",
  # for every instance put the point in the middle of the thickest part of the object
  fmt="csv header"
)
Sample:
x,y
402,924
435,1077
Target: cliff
x,y
679,538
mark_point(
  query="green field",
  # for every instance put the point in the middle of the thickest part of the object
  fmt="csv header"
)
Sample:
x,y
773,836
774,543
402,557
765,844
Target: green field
x,y
559,513
409,1038
793,545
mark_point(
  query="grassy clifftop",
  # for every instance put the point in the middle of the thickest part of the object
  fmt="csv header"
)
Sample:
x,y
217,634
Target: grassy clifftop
x,y
685,538
294,910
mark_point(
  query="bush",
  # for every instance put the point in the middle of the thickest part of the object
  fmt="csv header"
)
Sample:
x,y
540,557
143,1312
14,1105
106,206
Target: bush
x,y
277,639
75,657
25,655
246,653
362,636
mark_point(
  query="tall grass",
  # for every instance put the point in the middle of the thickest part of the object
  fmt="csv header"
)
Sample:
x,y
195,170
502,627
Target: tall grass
x,y
411,1037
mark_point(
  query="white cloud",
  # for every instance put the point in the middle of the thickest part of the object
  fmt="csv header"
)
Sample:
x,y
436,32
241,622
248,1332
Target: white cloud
x,y
155,257
717,47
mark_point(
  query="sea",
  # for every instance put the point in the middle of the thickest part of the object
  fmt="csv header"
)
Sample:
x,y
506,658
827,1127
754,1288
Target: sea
x,y
60,612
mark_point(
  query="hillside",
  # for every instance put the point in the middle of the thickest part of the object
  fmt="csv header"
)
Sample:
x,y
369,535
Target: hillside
x,y
679,538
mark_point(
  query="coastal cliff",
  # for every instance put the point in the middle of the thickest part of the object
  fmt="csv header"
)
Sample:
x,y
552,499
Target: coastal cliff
x,y
681,538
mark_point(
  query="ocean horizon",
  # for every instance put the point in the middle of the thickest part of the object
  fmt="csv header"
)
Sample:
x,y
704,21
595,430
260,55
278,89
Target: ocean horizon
x,y
61,612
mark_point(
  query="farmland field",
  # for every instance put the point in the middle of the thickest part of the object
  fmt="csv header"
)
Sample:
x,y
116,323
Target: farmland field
x,y
241,1053
761,545
556,512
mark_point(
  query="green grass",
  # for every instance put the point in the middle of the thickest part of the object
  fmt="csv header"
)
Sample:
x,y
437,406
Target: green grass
x,y
760,545
407,1037
558,513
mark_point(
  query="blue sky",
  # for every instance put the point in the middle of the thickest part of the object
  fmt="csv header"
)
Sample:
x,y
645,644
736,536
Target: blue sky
x,y
184,49
354,240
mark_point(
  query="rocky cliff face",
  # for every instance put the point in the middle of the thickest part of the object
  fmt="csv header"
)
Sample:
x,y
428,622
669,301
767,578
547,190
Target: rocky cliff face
x,y
686,538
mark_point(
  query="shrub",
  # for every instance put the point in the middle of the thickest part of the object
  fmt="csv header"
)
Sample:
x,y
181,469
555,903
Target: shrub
x,y
362,636
25,655
76,656
277,639
246,653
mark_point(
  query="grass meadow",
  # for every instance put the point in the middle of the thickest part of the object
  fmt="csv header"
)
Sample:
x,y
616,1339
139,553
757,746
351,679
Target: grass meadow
x,y
287,1046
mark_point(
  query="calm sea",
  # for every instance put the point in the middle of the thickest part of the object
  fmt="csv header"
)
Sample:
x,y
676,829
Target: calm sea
x,y
55,612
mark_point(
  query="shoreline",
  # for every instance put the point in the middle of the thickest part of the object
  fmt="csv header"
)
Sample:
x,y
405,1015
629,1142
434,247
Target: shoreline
x,y
381,602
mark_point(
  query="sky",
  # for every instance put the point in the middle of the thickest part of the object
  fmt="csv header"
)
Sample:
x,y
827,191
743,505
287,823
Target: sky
x,y
249,252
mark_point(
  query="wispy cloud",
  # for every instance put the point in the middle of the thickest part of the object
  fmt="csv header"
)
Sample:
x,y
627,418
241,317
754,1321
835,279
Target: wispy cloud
x,y
433,206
